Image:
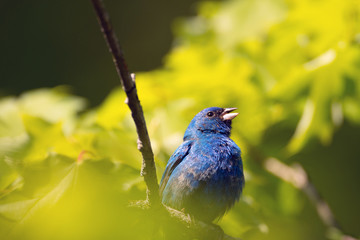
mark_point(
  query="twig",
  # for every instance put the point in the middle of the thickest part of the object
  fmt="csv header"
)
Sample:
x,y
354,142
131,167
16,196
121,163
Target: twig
x,y
297,176
148,170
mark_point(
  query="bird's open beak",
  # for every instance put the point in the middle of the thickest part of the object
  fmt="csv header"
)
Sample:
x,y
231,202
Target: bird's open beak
x,y
227,114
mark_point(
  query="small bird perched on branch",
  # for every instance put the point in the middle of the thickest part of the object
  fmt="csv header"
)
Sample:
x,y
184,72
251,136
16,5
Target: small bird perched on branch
x,y
204,177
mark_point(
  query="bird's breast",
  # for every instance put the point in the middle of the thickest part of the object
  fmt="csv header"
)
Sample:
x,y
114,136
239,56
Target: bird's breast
x,y
214,156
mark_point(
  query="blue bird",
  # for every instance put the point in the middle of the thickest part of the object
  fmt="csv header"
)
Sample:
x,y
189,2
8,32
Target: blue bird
x,y
204,177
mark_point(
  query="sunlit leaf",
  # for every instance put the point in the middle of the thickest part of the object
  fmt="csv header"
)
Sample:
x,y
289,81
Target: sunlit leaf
x,y
8,176
46,138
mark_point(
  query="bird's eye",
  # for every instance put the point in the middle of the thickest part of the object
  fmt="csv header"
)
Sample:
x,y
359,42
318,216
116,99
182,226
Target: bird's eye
x,y
210,114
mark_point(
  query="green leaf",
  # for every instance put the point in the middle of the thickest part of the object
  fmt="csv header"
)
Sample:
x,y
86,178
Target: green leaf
x,y
46,138
9,177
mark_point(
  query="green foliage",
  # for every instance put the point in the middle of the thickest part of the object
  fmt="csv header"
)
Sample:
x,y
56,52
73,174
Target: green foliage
x,y
290,67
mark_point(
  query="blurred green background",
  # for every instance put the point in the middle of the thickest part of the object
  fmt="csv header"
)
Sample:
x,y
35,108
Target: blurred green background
x,y
69,166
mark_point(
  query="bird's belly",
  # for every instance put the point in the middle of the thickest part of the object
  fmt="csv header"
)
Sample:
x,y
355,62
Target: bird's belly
x,y
203,192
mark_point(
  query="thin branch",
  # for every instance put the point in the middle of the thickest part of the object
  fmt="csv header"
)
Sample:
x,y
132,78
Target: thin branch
x,y
148,170
297,176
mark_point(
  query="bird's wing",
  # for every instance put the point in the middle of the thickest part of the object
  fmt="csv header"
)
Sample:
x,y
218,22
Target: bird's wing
x,y
173,162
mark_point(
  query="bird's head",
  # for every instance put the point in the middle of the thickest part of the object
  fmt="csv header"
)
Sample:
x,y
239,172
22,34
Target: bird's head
x,y
211,120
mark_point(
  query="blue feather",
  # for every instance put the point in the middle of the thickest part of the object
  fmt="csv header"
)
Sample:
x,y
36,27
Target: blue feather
x,y
204,177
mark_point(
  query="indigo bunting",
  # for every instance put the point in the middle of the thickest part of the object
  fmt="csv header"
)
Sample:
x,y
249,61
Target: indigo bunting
x,y
204,177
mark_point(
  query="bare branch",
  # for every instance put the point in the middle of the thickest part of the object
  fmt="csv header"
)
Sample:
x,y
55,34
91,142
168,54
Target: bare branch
x,y
297,176
148,170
